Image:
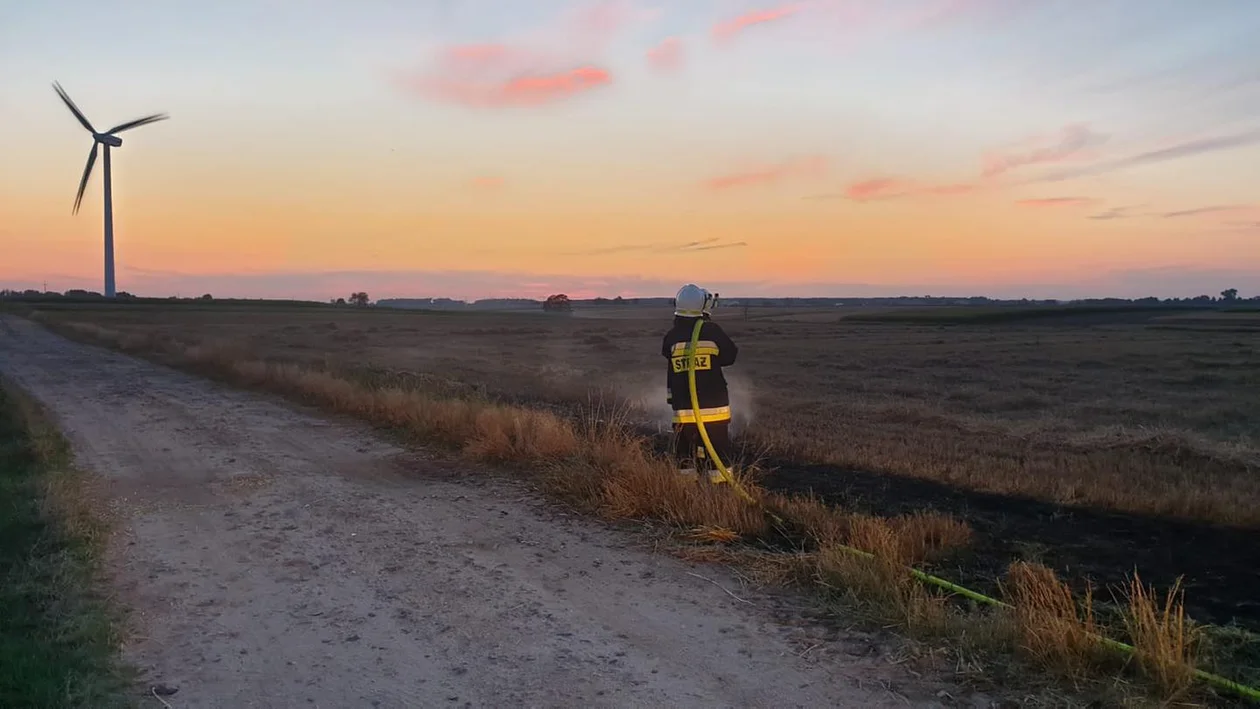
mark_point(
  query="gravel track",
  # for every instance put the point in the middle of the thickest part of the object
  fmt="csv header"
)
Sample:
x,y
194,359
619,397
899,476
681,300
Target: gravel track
x,y
272,557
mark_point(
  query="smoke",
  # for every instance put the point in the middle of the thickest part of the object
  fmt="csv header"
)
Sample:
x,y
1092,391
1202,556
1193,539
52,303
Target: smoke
x,y
742,398
650,399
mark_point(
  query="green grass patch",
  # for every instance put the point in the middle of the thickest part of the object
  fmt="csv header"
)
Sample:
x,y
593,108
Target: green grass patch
x,y
58,634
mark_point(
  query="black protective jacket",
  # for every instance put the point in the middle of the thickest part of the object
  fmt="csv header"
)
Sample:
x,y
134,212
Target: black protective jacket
x,y
714,350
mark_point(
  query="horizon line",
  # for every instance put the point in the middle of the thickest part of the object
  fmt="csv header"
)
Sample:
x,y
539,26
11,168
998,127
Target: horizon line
x,y
125,295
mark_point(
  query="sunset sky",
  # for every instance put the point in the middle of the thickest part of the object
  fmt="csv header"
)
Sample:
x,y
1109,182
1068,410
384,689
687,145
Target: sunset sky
x,y
489,148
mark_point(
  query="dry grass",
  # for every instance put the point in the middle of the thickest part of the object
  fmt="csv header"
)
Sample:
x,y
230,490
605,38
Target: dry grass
x,y
1053,627
881,583
1125,416
1167,643
597,463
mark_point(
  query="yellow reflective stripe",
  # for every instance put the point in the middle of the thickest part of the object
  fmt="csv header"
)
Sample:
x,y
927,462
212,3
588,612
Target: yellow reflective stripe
x,y
713,415
702,347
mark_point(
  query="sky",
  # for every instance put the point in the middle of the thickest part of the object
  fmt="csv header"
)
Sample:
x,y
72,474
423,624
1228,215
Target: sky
x,y
487,148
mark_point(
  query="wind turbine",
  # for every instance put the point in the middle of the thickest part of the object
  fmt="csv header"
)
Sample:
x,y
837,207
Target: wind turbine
x,y
109,140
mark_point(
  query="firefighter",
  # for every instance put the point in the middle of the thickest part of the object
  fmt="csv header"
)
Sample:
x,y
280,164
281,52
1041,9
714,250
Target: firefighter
x,y
714,350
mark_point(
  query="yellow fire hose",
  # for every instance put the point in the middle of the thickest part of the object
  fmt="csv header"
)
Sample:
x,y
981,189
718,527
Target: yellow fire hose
x,y
1212,679
695,408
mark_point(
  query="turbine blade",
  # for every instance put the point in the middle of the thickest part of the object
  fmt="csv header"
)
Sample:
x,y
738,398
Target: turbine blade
x,y
137,123
87,172
73,108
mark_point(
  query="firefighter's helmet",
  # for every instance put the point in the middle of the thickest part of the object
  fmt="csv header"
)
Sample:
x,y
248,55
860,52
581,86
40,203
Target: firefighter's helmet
x,y
692,301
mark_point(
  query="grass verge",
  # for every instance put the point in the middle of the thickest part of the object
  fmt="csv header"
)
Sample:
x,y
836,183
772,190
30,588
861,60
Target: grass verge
x,y
58,634
597,464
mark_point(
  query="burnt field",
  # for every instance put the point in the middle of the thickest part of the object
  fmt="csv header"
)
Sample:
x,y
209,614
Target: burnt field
x,y
1095,443
1086,546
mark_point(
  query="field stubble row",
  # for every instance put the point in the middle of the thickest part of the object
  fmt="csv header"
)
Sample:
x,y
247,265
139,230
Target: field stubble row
x,y
1125,417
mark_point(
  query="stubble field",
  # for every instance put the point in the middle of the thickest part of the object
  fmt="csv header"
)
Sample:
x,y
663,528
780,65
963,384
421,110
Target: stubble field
x,y
1094,444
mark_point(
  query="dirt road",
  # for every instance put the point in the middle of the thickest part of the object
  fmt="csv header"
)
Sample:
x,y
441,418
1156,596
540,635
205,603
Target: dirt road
x,y
276,559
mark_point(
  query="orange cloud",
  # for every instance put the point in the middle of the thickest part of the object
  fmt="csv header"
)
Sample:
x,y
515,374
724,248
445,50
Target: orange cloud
x,y
769,174
878,188
521,91
666,56
487,182
895,188
1056,202
732,27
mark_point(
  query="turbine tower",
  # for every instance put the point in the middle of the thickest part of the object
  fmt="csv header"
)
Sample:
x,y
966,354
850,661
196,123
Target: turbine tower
x,y
109,140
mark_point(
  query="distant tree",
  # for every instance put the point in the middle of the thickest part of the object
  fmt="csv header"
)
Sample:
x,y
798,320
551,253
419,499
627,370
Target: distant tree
x,y
340,301
360,299
123,295
558,303
207,296
1229,295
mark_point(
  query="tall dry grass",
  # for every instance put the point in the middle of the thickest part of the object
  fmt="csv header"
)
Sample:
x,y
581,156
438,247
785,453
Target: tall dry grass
x,y
598,465
1052,625
1167,643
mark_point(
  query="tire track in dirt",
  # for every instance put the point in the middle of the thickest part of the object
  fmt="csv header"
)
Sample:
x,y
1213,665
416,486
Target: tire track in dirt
x,y
273,558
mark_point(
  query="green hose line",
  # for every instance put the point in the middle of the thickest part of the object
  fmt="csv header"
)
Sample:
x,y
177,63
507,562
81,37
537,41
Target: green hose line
x,y
1212,679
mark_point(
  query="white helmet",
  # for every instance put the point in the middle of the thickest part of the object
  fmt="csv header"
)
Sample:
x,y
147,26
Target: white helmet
x,y
692,301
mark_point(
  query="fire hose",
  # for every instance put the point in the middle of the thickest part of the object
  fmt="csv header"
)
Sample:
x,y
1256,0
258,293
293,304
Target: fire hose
x,y
1212,679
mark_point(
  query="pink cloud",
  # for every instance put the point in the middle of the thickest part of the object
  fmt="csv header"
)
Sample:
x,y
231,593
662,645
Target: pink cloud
x,y
533,68
1072,142
605,19
842,24
729,28
769,174
1056,202
521,91
471,57
666,56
